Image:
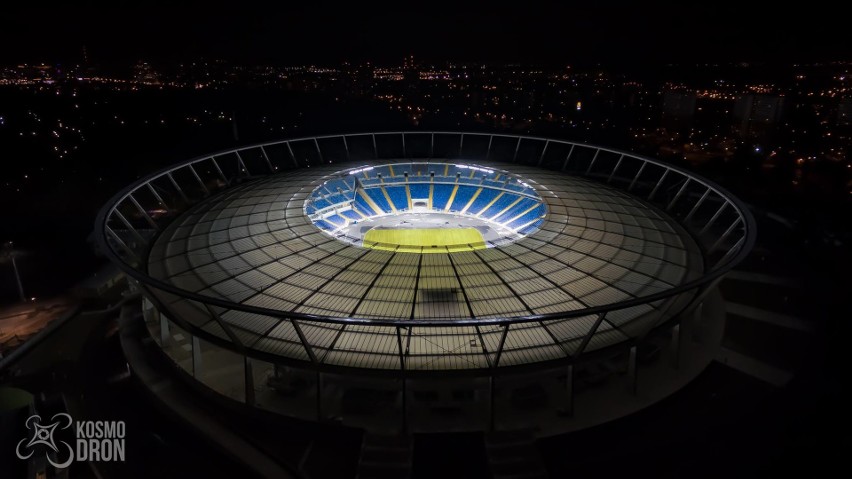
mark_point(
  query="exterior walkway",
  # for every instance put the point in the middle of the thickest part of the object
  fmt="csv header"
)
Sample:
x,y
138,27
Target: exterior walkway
x,y
173,396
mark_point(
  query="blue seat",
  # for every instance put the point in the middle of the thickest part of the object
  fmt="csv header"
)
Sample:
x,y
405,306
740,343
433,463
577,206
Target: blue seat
x,y
345,184
529,228
519,208
320,203
463,195
361,207
453,170
485,197
505,200
470,181
377,197
379,170
441,194
324,225
335,220
419,190
371,182
527,217
336,199
397,180
351,214
495,186
397,196
445,181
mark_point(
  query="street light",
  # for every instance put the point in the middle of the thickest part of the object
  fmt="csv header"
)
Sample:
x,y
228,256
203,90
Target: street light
x,y
9,253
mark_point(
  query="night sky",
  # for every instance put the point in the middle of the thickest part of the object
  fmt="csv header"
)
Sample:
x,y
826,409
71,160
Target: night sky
x,y
529,32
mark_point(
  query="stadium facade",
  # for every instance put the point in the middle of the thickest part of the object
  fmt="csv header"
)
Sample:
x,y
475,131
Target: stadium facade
x,y
430,281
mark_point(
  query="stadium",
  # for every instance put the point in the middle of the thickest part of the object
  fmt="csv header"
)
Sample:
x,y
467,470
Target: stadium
x,y
430,281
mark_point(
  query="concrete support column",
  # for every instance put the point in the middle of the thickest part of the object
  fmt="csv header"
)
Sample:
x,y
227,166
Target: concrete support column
x,y
675,346
249,375
164,328
697,325
569,389
319,397
491,403
196,357
632,370
404,407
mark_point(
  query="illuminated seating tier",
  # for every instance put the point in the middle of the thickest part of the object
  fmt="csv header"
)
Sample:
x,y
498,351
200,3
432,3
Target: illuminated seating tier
x,y
397,196
419,191
382,190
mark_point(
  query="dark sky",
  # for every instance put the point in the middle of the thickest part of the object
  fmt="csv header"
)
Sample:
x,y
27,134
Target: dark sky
x,y
539,32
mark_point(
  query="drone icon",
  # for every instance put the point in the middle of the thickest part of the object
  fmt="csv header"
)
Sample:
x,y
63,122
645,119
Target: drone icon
x,y
43,435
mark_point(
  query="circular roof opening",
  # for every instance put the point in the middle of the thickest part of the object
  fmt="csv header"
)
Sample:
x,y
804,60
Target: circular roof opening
x,y
426,207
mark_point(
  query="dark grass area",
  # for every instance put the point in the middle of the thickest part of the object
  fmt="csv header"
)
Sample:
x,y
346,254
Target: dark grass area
x,y
698,432
726,423
780,347
450,455
780,299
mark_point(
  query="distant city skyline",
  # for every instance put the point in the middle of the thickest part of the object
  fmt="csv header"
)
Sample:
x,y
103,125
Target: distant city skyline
x,y
548,33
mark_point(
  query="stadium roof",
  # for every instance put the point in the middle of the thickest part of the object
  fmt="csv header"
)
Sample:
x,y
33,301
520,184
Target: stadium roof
x,y
254,245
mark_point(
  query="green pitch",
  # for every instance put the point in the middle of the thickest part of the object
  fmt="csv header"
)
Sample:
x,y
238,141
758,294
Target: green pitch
x,y
425,240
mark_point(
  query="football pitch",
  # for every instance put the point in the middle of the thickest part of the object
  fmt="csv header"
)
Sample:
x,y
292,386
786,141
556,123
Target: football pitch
x,y
424,240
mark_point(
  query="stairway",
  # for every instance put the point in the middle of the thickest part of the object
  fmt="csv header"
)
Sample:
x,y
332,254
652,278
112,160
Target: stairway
x,y
513,455
385,457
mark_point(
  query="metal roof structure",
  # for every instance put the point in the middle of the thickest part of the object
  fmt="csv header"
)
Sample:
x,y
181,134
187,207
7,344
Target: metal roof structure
x,y
627,244
255,246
